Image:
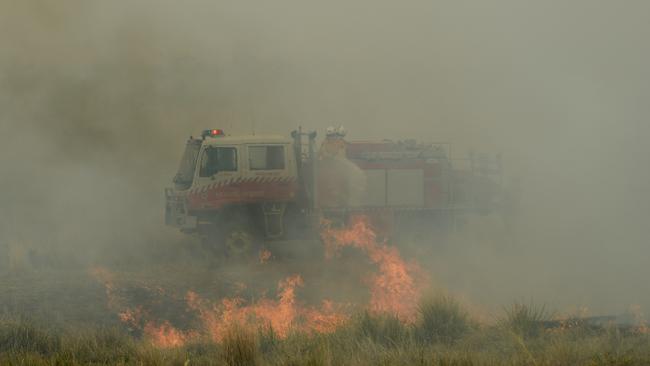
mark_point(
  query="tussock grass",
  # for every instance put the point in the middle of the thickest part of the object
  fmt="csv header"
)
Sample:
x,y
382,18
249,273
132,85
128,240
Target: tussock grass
x,y
100,346
525,320
240,348
23,336
384,329
442,319
444,334
267,339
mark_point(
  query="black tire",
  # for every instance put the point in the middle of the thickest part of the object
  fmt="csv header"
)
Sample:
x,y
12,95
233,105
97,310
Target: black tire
x,y
240,243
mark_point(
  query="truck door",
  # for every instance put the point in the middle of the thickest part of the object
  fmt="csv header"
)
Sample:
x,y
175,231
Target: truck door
x,y
268,172
219,176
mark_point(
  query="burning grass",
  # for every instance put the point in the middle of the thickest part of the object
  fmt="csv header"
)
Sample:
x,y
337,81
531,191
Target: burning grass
x,y
366,339
443,332
394,288
191,318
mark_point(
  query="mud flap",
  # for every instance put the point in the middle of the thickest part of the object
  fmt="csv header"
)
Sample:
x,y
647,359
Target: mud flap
x,y
274,219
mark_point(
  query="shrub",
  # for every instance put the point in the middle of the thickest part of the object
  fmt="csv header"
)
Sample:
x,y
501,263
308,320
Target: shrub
x,y
525,320
442,319
385,329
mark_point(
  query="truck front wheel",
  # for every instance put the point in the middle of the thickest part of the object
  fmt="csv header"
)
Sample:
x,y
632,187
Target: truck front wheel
x,y
239,243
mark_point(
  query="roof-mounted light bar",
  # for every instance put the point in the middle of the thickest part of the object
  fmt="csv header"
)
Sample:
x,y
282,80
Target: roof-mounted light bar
x,y
217,132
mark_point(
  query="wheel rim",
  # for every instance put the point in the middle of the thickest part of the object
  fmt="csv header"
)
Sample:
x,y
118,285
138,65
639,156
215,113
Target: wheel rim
x,y
239,243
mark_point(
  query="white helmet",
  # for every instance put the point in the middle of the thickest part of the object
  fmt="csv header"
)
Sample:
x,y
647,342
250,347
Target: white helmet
x,y
330,131
341,131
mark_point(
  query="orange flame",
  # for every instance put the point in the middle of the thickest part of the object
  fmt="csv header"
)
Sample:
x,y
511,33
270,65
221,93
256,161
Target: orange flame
x,y
394,289
265,255
166,336
105,277
282,315
327,319
131,316
163,336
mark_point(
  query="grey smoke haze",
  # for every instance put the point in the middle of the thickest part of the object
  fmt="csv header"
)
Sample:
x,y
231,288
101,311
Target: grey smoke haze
x,y
97,98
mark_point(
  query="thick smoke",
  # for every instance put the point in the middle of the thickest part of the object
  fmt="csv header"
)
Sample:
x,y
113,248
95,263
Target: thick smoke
x,y
97,98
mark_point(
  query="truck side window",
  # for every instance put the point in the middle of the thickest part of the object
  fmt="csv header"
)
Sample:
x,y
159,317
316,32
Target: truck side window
x,y
266,157
218,159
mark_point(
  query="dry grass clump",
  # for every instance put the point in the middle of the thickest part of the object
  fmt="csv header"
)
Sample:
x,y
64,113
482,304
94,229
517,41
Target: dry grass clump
x,y
98,346
442,319
240,347
384,329
23,336
525,320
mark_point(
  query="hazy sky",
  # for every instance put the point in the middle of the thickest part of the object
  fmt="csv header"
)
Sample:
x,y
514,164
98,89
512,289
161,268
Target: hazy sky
x,y
97,98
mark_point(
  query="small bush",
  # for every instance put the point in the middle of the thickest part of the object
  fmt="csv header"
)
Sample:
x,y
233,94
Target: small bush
x,y
442,319
525,320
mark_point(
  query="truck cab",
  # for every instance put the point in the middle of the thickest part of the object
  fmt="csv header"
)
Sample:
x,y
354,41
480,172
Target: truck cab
x,y
221,176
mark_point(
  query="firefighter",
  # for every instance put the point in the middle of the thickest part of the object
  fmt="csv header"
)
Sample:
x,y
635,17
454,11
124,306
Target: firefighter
x,y
334,145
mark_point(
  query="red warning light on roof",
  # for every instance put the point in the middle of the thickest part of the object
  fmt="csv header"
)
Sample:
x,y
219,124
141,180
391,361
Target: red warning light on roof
x,y
213,133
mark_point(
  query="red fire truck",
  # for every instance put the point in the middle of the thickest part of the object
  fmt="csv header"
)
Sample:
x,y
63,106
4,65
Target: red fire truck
x,y
236,190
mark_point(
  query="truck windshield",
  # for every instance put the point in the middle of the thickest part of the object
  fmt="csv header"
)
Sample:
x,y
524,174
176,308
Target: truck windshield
x,y
185,173
218,159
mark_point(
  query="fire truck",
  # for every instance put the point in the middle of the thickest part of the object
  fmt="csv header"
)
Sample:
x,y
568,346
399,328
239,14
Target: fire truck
x,y
236,191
